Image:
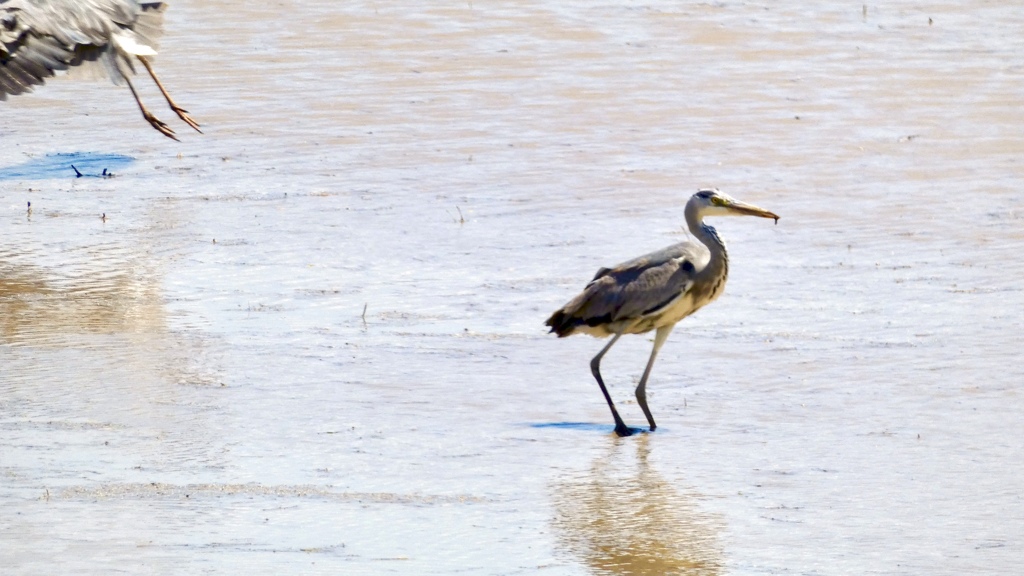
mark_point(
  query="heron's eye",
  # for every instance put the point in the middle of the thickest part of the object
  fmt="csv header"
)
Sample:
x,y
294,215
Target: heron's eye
x,y
718,201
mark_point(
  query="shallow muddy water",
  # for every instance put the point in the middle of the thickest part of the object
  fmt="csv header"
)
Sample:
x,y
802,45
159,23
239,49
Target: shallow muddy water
x,y
311,341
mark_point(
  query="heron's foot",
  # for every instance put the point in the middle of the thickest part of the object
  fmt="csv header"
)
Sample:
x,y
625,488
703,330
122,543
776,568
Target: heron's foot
x,y
653,426
159,125
622,430
183,114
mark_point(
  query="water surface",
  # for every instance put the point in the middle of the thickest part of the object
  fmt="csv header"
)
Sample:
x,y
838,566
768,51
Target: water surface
x,y
310,340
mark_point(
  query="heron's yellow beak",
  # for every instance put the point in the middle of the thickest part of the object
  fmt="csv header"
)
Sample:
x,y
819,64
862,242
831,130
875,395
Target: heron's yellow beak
x,y
742,208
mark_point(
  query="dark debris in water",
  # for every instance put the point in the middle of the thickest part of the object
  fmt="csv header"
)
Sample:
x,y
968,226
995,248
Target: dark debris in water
x,y
104,174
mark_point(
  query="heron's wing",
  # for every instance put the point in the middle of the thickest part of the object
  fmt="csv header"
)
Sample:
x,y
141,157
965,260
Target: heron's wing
x,y
39,38
27,60
633,289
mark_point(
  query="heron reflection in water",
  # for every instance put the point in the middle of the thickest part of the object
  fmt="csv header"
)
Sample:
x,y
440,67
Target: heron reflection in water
x,y
621,516
40,37
655,291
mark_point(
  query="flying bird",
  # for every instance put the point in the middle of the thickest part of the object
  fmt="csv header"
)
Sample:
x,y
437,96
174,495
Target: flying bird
x,y
655,291
40,37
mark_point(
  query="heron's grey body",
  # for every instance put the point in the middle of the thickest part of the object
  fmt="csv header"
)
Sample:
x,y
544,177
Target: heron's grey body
x,y
654,291
41,37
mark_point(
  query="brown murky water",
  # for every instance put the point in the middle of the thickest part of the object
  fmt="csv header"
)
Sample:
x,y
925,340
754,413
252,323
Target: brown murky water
x,y
191,385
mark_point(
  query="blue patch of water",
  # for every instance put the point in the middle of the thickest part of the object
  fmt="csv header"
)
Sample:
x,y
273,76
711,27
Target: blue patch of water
x,y
589,426
59,165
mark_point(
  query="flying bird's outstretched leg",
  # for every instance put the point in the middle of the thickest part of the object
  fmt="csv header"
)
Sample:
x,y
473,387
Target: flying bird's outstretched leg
x,y
181,112
595,366
153,120
641,388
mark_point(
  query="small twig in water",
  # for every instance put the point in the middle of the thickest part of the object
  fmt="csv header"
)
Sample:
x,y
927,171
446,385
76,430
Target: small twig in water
x,y
77,173
364,314
460,220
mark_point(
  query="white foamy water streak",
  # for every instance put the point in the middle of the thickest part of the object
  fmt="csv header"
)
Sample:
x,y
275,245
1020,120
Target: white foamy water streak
x,y
191,385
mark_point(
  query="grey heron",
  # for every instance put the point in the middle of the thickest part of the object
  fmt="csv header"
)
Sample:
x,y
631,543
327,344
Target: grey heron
x,y
655,291
40,37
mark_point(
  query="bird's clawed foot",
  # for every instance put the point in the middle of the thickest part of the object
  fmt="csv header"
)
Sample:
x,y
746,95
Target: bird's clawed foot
x,y
159,125
183,114
621,430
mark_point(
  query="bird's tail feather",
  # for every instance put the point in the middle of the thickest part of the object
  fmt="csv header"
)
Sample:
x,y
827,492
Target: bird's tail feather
x,y
149,26
562,323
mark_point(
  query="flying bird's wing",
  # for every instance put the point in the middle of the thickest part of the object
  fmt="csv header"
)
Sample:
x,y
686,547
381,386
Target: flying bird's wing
x,y
27,59
38,39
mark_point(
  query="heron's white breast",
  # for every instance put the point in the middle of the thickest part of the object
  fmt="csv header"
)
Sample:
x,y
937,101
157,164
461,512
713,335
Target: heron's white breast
x,y
125,42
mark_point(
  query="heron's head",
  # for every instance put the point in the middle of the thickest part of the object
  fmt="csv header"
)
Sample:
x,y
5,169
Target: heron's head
x,y
712,202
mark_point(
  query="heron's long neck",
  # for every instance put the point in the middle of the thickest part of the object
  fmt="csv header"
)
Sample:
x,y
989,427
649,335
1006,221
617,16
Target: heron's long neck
x,y
718,266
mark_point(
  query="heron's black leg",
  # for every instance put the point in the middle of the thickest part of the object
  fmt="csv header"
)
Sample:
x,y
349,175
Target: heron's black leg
x,y
153,120
595,367
181,112
641,388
